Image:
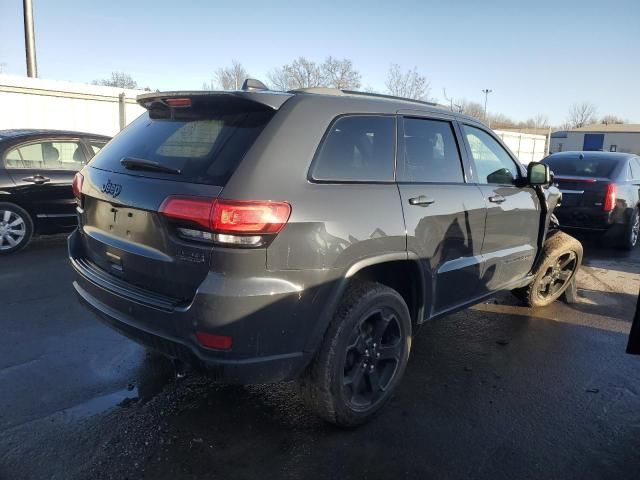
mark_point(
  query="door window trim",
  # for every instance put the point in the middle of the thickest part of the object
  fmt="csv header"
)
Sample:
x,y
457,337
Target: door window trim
x,y
26,143
327,132
400,147
519,167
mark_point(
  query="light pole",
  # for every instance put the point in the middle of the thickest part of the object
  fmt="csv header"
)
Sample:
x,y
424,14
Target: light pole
x,y
486,92
29,39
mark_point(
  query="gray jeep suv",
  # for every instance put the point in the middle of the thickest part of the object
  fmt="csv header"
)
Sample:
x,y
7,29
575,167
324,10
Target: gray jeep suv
x,y
268,236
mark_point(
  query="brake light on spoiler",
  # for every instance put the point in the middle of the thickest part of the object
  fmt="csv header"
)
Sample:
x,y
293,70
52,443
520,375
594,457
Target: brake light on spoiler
x,y
227,222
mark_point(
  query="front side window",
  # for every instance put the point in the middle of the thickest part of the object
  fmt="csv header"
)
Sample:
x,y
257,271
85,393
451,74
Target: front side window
x,y
430,152
357,148
493,164
47,155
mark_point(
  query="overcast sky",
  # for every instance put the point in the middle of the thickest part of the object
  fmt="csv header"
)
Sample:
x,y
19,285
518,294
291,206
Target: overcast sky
x,y
537,57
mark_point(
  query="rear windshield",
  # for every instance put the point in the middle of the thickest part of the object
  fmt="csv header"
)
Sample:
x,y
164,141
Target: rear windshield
x,y
581,167
206,147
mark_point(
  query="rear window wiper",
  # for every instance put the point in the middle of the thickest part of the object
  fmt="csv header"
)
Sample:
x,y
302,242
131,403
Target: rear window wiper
x,y
132,163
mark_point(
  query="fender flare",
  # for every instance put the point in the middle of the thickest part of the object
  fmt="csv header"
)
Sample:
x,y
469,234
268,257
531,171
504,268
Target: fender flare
x,y
338,288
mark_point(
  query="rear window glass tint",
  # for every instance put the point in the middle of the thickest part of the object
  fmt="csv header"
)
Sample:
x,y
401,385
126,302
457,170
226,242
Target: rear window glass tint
x,y
205,146
581,167
430,152
357,148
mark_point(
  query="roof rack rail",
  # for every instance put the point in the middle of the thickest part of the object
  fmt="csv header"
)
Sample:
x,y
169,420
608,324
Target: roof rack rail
x,y
318,91
340,92
391,97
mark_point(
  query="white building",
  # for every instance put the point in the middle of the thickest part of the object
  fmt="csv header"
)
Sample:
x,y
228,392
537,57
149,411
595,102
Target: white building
x,y
38,103
528,147
603,138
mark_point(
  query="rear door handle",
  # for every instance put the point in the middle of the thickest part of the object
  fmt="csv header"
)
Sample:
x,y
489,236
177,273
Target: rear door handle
x,y
421,200
37,179
497,199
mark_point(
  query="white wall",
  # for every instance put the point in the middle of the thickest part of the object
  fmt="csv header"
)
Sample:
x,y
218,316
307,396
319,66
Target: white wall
x,y
37,103
526,146
628,142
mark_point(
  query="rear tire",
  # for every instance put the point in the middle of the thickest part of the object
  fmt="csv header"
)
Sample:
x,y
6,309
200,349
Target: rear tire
x,y
562,257
632,232
16,228
362,358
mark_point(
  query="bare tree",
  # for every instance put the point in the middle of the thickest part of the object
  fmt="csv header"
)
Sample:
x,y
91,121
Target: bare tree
x,y
339,73
118,79
279,79
611,120
581,114
500,120
230,78
473,109
304,73
408,84
537,121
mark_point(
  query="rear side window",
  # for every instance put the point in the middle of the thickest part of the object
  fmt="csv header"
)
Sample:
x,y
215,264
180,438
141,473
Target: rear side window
x,y
430,152
204,145
47,155
581,167
357,148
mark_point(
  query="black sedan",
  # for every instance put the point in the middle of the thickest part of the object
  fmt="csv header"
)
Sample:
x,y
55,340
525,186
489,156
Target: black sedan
x,y
600,192
36,174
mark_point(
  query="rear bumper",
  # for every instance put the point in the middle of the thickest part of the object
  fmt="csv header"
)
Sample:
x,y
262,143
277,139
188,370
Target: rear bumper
x,y
261,317
590,219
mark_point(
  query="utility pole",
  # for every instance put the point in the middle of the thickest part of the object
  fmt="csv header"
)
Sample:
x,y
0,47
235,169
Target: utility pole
x,y
29,39
486,92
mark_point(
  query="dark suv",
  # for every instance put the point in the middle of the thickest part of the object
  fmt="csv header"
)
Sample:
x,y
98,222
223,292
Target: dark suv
x,y
268,236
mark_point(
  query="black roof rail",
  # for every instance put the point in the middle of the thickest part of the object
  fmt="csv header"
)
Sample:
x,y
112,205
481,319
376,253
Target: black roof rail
x,y
391,97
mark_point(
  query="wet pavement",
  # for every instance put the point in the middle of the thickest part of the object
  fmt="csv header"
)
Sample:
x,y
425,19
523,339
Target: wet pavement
x,y
498,391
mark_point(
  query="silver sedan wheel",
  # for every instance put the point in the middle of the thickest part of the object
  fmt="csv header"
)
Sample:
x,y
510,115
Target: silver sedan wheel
x,y
13,229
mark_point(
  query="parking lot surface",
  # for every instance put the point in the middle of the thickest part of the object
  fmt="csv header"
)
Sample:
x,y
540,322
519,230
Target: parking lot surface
x,y
497,391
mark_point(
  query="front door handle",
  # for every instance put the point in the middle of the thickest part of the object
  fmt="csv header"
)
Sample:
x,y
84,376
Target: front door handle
x,y
497,199
37,179
421,200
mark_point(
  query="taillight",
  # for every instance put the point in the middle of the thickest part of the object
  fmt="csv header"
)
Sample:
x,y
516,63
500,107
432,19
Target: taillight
x,y
228,222
610,198
249,217
191,209
78,180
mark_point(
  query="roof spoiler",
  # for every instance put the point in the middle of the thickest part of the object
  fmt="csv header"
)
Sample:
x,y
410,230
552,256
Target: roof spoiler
x,y
251,98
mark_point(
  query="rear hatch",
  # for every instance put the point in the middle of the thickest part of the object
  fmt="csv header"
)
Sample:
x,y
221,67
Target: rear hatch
x,y
185,145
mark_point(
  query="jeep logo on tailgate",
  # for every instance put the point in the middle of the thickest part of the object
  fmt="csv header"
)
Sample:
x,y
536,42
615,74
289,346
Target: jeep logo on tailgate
x,y
112,189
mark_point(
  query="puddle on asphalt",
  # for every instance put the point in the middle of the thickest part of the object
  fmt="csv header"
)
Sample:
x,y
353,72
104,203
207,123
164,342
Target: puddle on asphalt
x,y
154,374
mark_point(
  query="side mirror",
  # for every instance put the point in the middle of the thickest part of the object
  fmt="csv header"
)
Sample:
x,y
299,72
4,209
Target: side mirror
x,y
538,174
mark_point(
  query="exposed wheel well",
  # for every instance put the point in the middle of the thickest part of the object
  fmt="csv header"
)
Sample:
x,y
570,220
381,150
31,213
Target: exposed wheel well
x,y
404,277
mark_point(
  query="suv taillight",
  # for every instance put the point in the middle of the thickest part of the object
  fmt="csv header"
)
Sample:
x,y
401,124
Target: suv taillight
x,y
610,198
78,180
228,222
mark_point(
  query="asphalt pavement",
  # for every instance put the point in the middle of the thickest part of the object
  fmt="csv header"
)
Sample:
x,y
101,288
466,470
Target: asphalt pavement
x,y
497,391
